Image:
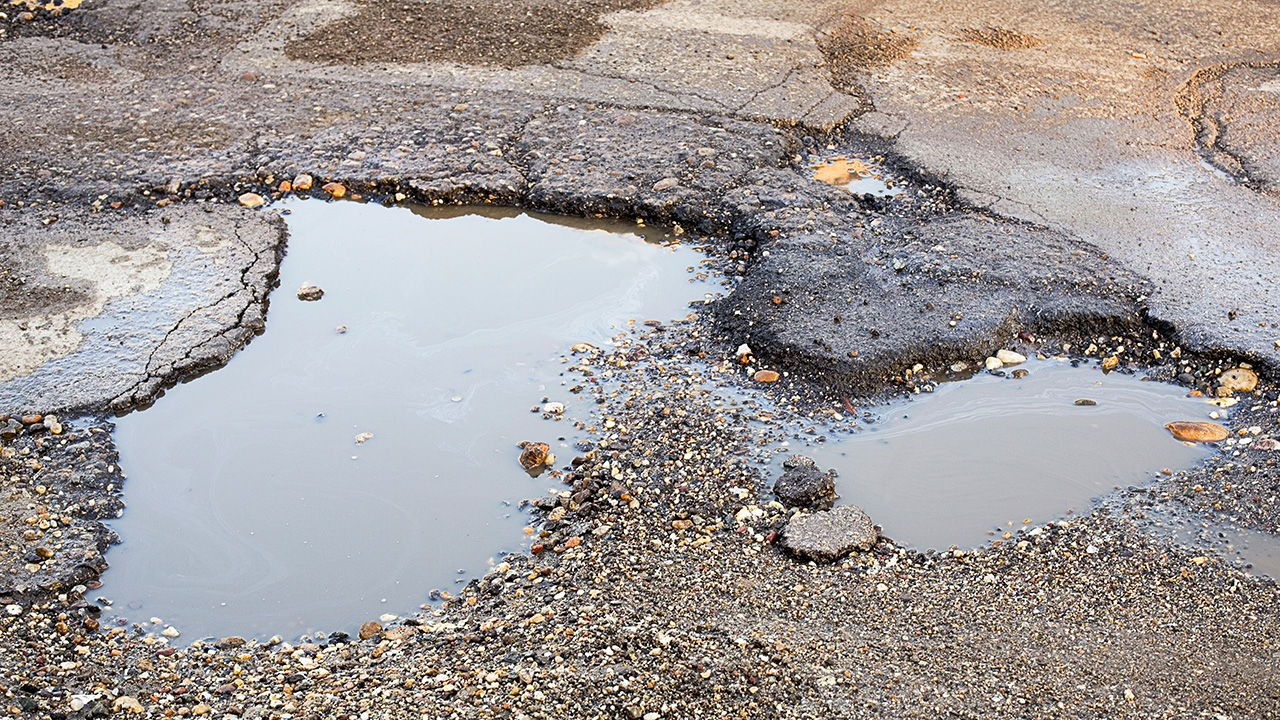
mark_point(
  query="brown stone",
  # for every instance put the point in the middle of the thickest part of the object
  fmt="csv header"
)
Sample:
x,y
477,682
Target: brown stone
x,y
534,455
1198,431
370,629
766,376
334,189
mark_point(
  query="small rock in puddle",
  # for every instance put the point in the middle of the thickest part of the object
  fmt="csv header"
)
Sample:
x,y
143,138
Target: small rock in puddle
x,y
309,292
536,457
804,485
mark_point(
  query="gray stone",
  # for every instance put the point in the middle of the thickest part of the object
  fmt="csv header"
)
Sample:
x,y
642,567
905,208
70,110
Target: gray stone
x,y
828,535
804,485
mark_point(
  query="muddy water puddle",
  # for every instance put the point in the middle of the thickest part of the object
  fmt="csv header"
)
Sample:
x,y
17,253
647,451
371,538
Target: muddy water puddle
x,y
855,175
978,458
363,450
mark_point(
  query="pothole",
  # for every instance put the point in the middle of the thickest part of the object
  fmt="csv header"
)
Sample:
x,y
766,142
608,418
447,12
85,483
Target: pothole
x,y
858,176
364,449
977,459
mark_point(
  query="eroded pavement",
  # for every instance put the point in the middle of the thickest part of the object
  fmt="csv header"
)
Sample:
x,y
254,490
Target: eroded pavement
x,y
1101,174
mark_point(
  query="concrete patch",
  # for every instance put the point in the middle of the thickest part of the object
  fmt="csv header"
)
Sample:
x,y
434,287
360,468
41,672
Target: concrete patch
x,y
112,270
167,296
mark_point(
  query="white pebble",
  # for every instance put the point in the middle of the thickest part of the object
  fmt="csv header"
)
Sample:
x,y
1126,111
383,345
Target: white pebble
x,y
1009,357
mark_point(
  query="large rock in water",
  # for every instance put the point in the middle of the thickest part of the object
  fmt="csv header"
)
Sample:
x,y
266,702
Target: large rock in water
x,y
804,485
828,535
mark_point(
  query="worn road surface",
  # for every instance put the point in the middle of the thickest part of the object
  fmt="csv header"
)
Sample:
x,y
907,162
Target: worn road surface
x,y
1097,178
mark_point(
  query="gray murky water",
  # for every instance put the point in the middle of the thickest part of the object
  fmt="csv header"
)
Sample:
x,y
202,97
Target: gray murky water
x,y
251,507
984,455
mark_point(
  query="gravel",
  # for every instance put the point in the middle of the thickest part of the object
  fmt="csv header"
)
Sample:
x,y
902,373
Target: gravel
x,y
660,593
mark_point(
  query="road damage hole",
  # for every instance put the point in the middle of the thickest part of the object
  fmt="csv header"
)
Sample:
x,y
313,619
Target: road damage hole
x,y
856,176
364,449
979,458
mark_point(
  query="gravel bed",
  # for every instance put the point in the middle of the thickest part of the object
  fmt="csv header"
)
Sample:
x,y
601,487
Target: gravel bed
x,y
655,588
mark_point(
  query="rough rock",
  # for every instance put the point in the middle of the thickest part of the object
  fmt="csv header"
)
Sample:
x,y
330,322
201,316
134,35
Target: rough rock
x,y
804,485
828,535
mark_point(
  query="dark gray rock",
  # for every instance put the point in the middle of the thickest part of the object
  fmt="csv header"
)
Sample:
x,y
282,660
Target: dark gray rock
x,y
828,535
804,485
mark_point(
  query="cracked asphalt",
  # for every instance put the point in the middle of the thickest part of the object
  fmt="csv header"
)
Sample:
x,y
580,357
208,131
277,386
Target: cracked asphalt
x,y
1101,174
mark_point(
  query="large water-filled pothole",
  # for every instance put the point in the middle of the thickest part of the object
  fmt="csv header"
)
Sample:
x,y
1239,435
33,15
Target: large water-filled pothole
x,y
979,458
363,450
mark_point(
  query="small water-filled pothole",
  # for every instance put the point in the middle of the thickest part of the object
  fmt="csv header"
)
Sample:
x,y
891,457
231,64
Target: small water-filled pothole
x,y
982,457
856,175
363,450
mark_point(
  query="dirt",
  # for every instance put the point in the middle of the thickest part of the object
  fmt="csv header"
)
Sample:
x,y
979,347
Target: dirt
x,y
853,45
529,32
1000,38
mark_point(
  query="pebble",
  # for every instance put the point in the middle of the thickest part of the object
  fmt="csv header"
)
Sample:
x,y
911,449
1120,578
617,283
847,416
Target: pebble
x,y
1110,363
1238,380
303,182
171,632
369,629
993,363
1009,357
251,200
804,485
13,610
535,456
335,190
1086,401
309,292
766,376
363,438
665,184
1198,431
554,408
400,632
128,703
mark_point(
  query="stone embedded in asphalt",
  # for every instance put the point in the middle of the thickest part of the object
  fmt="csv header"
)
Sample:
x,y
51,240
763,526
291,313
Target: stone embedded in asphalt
x,y
802,484
302,182
1237,380
830,534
